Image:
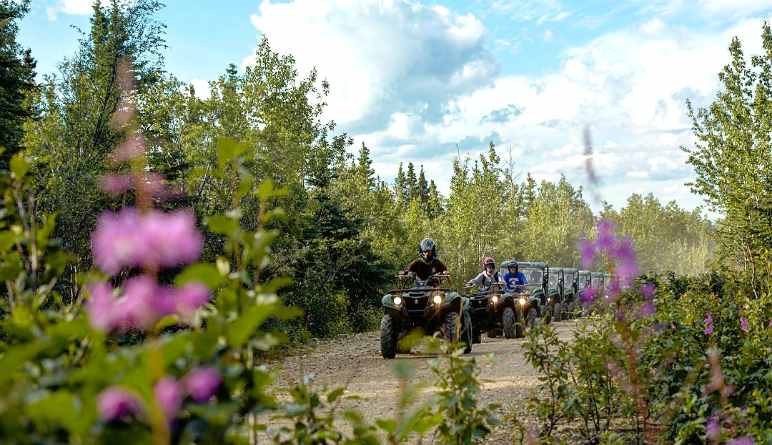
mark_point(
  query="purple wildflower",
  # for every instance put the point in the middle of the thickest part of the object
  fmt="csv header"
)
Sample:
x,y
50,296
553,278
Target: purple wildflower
x,y
744,324
201,383
587,249
588,295
647,309
623,254
100,306
154,239
190,297
648,289
745,440
168,393
115,185
115,403
129,149
709,324
713,428
605,234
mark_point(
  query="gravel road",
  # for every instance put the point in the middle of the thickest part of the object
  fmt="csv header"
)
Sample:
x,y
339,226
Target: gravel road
x,y
356,363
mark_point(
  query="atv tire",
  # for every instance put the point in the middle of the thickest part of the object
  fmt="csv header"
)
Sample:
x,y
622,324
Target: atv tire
x,y
509,322
531,318
493,333
557,313
388,337
450,328
477,337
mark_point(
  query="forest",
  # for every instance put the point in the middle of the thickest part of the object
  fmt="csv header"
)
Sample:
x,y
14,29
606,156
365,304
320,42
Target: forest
x,y
270,227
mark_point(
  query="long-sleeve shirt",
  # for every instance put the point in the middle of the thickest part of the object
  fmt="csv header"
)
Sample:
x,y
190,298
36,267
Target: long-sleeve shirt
x,y
424,269
516,279
484,280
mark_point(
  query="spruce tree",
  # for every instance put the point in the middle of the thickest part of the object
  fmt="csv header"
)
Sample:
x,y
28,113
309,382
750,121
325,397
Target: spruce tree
x,y
365,166
412,182
423,187
17,79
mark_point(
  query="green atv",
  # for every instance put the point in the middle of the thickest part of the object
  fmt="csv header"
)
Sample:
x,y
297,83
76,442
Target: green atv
x,y
553,307
424,306
493,311
532,298
568,294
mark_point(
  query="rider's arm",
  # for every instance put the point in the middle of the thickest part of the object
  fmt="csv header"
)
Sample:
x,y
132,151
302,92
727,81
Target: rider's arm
x,y
522,277
477,281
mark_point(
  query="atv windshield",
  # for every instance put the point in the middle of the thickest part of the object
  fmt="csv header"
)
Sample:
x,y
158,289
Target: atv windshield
x,y
597,283
554,279
532,275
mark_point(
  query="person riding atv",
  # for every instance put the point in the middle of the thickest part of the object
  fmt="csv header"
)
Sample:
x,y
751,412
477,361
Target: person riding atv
x,y
423,305
513,277
427,263
487,277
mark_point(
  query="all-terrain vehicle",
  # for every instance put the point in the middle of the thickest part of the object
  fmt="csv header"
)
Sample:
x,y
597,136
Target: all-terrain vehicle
x,y
583,284
427,306
494,311
531,299
569,294
553,307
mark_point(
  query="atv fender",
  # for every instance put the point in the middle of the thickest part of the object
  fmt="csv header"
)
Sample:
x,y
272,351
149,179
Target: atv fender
x,y
388,302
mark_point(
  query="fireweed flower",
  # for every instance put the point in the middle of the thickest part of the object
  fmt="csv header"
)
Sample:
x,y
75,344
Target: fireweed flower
x,y
588,295
709,324
153,239
647,309
648,289
745,440
744,324
142,303
587,251
168,394
606,236
713,428
115,185
115,403
202,383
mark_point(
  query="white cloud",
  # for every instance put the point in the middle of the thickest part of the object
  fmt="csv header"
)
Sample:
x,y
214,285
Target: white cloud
x,y
201,88
735,7
73,7
548,35
380,57
630,86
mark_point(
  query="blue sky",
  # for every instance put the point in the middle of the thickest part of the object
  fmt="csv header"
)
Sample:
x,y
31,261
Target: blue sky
x,y
422,80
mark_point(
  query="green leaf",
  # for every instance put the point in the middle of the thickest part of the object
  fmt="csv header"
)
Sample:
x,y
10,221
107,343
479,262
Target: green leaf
x,y
222,225
205,273
333,395
58,408
241,329
19,166
228,149
7,240
388,425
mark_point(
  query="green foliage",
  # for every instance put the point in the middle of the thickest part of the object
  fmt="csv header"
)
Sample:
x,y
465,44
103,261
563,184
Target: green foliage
x,y
733,160
17,80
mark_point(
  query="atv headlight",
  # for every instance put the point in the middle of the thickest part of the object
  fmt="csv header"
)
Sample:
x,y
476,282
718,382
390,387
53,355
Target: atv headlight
x,y
521,301
495,299
397,300
549,300
437,299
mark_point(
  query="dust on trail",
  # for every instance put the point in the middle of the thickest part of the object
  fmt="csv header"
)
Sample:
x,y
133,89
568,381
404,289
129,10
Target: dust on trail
x,y
355,362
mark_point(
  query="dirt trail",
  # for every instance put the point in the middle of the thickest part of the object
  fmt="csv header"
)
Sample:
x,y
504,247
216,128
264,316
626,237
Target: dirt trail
x,y
355,362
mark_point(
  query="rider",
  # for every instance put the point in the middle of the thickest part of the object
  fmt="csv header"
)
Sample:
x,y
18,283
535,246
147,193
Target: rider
x,y
427,264
488,276
513,277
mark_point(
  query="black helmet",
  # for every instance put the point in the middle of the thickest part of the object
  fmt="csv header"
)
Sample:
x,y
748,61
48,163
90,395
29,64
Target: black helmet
x,y
427,245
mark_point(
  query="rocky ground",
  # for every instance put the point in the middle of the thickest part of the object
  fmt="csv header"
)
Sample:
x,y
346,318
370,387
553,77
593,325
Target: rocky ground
x,y
356,363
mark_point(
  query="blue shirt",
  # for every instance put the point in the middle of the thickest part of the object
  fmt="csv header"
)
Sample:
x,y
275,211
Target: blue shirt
x,y
512,280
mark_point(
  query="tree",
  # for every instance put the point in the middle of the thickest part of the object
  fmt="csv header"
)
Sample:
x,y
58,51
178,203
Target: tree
x,y
365,166
423,186
17,80
732,159
401,186
411,183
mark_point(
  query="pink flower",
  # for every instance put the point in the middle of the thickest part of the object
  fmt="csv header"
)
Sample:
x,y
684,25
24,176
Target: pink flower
x,y
151,240
648,289
744,324
115,403
168,394
202,383
190,298
587,251
588,295
606,235
100,306
115,185
129,149
647,309
709,324
745,440
713,428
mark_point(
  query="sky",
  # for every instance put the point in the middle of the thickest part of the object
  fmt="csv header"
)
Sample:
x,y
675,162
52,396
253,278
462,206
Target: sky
x,y
426,80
